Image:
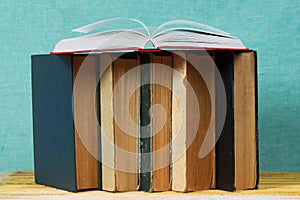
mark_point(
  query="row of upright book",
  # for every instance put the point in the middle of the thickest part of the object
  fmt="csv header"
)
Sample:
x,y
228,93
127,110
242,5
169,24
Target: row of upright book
x,y
146,120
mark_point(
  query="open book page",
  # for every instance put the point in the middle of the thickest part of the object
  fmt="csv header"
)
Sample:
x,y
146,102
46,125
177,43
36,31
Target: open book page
x,y
186,23
188,34
166,36
189,38
93,26
187,29
110,40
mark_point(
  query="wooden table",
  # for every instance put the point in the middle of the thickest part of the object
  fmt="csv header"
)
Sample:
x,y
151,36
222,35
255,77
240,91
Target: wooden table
x,y
273,185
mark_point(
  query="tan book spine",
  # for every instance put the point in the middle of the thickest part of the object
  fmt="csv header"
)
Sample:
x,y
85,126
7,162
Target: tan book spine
x,y
179,157
244,121
200,170
193,102
126,108
86,124
161,121
107,124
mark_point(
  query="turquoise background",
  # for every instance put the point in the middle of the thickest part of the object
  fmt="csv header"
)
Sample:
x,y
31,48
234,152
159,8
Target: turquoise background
x,y
272,27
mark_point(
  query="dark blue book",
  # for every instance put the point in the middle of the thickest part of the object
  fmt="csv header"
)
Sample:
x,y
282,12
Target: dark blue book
x,y
63,157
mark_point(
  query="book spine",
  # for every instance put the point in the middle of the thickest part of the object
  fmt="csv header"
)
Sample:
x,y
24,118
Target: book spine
x,y
161,78
85,104
145,124
126,92
225,162
98,97
108,170
256,118
54,165
178,130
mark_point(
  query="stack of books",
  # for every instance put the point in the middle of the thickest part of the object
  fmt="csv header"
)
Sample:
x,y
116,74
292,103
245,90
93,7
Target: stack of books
x,y
123,110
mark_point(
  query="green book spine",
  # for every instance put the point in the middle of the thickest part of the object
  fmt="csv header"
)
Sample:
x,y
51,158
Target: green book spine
x,y
145,122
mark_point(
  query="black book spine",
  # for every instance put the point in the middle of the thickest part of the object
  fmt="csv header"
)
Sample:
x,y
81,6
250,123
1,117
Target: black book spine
x,y
225,163
99,120
145,124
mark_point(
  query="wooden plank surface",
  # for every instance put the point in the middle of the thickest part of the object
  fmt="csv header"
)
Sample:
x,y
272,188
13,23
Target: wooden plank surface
x,y
273,185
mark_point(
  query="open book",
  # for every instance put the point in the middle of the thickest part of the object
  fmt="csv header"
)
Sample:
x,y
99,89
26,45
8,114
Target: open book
x,y
171,35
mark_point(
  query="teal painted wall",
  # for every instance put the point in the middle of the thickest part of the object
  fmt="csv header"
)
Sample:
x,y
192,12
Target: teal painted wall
x,y
272,27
